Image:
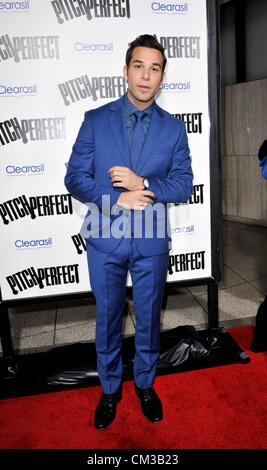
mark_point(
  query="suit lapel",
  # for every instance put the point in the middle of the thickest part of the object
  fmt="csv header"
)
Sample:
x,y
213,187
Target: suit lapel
x,y
151,141
118,128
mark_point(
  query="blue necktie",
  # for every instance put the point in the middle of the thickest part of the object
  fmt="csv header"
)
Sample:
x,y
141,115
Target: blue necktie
x,y
137,138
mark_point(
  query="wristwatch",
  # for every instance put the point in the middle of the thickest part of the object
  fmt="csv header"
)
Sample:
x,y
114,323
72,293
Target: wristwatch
x,y
146,183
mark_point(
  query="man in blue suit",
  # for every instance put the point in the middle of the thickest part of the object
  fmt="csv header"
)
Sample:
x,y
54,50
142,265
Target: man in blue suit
x,y
130,159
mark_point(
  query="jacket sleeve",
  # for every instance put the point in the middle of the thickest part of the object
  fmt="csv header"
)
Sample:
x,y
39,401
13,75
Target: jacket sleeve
x,y
79,179
177,186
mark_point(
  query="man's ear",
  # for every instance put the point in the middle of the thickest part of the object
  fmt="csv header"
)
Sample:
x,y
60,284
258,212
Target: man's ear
x,y
163,77
125,72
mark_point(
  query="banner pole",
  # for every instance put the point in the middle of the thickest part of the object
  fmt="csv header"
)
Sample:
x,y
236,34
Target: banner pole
x,y
9,363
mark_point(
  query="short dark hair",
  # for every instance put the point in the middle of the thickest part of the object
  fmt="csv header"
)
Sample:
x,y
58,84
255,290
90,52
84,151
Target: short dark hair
x,y
145,40
263,150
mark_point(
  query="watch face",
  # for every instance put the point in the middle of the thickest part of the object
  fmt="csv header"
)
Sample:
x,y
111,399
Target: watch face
x,y
146,183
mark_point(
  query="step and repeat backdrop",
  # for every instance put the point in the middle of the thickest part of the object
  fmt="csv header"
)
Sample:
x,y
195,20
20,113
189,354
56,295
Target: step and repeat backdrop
x,y
59,59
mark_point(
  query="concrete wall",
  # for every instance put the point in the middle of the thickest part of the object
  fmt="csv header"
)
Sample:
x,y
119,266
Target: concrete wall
x,y
244,127
254,40
256,24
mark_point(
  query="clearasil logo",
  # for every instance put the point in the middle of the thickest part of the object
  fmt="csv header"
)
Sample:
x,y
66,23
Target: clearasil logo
x,y
169,7
183,230
21,244
14,7
25,170
97,48
23,90
175,86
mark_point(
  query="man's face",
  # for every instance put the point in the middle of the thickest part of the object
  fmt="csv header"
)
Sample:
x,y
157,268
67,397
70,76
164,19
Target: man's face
x,y
144,75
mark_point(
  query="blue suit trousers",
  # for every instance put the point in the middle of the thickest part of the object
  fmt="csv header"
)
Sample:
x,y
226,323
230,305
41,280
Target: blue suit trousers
x,y
108,275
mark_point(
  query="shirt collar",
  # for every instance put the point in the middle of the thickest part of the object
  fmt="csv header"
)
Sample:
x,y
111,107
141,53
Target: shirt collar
x,y
129,108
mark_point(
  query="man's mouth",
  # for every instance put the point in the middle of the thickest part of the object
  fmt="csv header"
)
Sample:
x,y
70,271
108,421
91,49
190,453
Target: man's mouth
x,y
143,87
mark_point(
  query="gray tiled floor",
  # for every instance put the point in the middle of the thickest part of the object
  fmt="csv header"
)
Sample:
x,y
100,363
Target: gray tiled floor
x,y
40,327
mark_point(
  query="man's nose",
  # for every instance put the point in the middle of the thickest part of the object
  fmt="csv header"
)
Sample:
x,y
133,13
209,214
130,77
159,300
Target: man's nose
x,y
146,74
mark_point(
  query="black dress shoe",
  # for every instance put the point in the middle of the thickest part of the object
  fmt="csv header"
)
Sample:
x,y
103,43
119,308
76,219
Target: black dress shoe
x,y
150,403
105,411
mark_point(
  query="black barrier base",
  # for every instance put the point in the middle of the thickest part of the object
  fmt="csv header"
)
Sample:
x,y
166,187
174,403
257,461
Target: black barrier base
x,y
182,349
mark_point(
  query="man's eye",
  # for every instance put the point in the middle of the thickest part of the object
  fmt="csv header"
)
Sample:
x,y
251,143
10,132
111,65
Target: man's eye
x,y
155,69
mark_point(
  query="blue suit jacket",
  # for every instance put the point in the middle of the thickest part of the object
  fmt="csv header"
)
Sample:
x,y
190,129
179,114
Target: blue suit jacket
x,y
165,161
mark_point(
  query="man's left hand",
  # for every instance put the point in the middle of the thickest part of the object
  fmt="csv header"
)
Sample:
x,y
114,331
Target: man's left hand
x,y
123,177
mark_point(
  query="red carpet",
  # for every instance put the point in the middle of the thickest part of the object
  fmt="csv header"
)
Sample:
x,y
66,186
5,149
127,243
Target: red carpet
x,y
220,408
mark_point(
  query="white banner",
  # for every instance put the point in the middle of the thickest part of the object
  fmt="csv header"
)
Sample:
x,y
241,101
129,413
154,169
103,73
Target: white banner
x,y
59,59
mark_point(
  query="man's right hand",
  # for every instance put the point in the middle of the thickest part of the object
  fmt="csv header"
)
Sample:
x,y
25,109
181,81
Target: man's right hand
x,y
136,200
